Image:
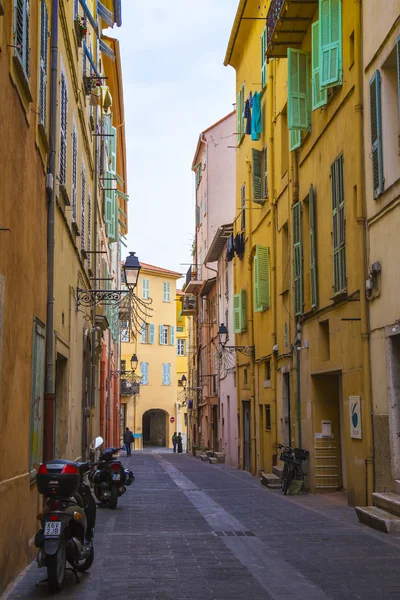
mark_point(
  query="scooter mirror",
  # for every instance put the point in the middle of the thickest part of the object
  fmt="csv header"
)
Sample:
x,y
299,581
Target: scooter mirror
x,y
96,443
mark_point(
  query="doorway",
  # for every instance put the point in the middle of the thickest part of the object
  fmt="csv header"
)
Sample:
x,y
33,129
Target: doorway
x,y
246,436
61,416
214,426
285,427
394,402
154,427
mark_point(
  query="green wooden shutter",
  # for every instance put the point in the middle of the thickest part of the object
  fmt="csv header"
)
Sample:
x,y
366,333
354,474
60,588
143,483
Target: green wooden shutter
x,y
263,59
339,227
376,134
313,250
243,309
330,44
294,139
242,105
257,163
297,259
44,44
237,313
319,97
265,172
152,334
298,90
261,279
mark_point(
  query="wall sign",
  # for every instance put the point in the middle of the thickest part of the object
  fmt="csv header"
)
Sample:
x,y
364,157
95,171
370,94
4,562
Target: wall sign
x,y
172,419
355,417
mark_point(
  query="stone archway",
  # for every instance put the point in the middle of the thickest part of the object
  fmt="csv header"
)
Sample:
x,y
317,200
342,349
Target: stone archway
x,y
154,427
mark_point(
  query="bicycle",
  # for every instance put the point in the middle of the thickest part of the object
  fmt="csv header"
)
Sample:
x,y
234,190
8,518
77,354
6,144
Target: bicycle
x,y
292,469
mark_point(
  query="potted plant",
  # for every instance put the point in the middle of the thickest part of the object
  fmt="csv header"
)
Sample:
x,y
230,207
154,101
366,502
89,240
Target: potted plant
x,y
80,29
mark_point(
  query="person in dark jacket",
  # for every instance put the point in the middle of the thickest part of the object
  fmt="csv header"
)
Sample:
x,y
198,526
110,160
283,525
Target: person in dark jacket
x,y
179,443
127,441
174,441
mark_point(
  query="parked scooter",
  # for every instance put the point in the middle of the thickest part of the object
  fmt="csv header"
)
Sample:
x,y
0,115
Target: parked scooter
x,y
68,519
110,478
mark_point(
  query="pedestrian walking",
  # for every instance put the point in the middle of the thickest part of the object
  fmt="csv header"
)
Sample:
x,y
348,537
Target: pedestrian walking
x,y
179,443
174,441
128,435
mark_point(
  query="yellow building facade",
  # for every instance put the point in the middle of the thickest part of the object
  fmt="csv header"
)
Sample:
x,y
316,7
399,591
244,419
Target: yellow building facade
x,y
299,277
152,414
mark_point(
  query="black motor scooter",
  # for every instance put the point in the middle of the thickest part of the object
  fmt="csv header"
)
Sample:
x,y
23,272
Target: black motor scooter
x,y
68,519
110,478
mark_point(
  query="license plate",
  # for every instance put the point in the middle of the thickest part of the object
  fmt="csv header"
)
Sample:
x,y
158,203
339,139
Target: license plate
x,y
116,476
52,530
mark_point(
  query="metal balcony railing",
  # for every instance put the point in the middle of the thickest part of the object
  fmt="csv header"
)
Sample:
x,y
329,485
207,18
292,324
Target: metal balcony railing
x,y
191,274
287,24
273,15
129,388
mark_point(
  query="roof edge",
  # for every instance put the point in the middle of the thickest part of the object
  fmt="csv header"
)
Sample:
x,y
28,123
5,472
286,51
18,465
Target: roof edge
x,y
200,141
234,32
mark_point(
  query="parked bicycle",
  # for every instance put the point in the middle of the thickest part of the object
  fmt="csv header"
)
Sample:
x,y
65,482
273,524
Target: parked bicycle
x,y
292,469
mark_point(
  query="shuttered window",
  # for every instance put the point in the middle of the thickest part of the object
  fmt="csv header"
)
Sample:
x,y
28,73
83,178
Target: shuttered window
x,y
263,58
152,328
339,227
313,249
297,258
330,42
239,312
89,227
44,45
74,172
83,207
146,289
167,292
63,129
37,408
164,334
265,172
257,165
172,335
376,134
240,114
319,97
298,90
144,369
143,336
21,33
294,139
166,374
243,205
261,270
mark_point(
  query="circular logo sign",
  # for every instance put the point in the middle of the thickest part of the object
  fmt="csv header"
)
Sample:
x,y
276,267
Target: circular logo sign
x,y
172,419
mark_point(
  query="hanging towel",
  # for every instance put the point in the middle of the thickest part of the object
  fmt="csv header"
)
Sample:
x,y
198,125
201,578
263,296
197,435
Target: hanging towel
x,y
251,99
239,245
248,123
229,248
256,121
247,112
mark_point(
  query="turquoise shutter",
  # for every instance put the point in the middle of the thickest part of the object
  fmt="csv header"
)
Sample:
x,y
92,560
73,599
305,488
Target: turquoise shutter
x,y
376,134
319,97
298,90
237,314
313,250
242,103
297,259
44,44
147,372
263,59
161,335
172,332
339,227
256,171
152,334
330,42
144,332
294,139
261,279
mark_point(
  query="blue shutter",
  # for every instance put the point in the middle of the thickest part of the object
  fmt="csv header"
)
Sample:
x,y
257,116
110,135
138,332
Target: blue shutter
x,y
168,373
172,330
376,134
164,372
152,334
144,368
144,332
161,335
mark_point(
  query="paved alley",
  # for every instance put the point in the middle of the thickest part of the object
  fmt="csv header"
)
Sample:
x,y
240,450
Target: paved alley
x,y
187,530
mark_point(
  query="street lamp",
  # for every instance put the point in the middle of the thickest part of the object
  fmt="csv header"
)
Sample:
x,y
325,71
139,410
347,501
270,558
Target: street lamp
x,y
134,362
183,382
131,270
223,335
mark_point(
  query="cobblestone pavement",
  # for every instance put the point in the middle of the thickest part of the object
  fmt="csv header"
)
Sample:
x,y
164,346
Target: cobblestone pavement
x,y
187,530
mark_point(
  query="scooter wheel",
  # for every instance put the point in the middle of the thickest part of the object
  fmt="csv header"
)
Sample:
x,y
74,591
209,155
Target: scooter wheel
x,y
56,565
84,565
114,496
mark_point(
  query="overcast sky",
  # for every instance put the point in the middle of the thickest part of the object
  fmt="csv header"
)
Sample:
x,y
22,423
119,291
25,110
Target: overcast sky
x,y
175,86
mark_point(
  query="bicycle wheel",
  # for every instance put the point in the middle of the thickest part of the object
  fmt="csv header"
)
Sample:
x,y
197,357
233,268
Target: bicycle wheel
x,y
289,478
284,475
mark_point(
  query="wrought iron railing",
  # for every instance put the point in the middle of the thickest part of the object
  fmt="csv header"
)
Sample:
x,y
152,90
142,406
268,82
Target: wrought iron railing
x,y
129,388
191,274
273,15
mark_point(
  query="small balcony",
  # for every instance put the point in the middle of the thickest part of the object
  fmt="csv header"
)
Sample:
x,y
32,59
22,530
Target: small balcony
x,y
287,24
129,388
194,280
189,304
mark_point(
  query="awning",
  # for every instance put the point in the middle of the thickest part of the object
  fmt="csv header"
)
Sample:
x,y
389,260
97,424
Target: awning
x,y
105,49
105,14
106,98
207,285
218,243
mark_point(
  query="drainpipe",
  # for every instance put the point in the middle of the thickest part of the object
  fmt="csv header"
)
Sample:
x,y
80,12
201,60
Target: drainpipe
x,y
362,230
49,389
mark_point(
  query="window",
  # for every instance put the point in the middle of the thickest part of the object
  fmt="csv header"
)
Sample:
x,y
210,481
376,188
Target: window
x,y
297,259
339,227
179,329
313,250
267,370
89,215
76,5
166,374
294,139
263,58
146,288
123,365
261,268
239,312
63,129
147,334
268,417
285,268
258,176
243,205
376,134
125,332
37,409
330,51
298,90
167,335
284,143
74,171
180,348
144,369
21,34
44,45
319,97
245,378
83,207
240,114
167,292
324,345
185,419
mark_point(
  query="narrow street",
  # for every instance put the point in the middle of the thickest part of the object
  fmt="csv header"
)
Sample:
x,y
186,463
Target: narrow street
x,y
188,530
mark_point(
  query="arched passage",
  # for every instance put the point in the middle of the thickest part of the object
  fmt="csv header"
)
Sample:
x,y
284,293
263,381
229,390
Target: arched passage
x,y
154,427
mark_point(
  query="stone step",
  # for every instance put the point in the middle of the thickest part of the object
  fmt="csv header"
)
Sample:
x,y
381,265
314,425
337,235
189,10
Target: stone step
x,y
220,456
378,519
212,460
210,453
397,485
387,501
204,457
277,471
270,480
